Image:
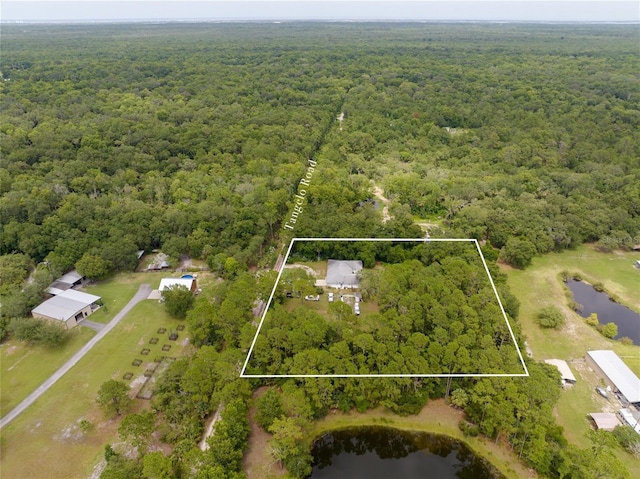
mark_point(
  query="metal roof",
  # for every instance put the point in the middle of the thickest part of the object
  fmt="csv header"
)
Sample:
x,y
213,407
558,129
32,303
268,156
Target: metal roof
x,y
563,367
607,421
71,277
343,273
618,373
171,282
66,305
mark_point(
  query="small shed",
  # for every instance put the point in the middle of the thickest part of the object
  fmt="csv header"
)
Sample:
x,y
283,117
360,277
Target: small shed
x,y
565,373
69,307
343,273
65,282
607,421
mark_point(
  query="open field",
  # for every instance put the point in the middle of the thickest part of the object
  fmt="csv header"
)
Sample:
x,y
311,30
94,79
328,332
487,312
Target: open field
x,y
540,285
438,418
49,429
24,367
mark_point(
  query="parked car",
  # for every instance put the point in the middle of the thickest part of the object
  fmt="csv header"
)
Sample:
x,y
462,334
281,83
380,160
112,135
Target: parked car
x,y
311,297
356,309
603,392
330,296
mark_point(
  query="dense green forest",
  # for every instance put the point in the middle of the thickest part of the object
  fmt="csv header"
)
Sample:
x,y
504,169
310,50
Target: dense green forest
x,y
194,138
432,311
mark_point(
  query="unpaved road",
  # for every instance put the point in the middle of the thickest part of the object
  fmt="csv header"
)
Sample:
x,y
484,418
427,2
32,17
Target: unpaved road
x,y
385,209
142,293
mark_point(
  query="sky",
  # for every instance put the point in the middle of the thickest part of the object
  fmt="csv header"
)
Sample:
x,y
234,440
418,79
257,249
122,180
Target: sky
x,y
470,10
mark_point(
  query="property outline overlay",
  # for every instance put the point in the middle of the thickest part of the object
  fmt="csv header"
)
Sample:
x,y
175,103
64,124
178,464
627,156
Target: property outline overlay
x,y
415,240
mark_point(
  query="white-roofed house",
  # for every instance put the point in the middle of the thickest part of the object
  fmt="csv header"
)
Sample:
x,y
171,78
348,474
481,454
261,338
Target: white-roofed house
x,y
69,307
343,273
608,365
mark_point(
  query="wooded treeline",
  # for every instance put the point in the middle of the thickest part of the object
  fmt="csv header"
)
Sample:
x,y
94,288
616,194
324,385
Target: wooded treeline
x,y
435,313
193,138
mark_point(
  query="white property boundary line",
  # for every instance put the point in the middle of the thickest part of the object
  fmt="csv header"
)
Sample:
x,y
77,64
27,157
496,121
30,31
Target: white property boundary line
x,y
414,240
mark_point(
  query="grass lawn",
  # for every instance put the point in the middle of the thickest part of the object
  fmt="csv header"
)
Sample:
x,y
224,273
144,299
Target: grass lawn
x,y
436,417
540,285
118,290
24,367
49,431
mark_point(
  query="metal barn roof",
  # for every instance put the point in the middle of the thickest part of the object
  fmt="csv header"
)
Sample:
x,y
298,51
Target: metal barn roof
x,y
618,372
606,421
65,305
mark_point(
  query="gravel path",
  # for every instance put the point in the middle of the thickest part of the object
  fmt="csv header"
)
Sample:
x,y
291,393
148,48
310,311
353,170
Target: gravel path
x,y
142,293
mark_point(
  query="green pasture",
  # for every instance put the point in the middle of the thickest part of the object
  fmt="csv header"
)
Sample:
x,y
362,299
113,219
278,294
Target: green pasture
x,y
49,431
24,367
540,285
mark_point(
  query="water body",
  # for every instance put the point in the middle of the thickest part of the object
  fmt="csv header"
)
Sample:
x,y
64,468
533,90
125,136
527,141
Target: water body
x,y
383,453
608,311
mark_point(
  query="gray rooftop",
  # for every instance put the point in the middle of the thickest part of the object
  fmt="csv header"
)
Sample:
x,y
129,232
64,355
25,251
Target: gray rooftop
x,y
618,372
65,305
343,273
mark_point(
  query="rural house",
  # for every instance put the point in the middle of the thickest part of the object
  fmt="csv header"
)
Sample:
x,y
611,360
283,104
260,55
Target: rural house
x,y
343,274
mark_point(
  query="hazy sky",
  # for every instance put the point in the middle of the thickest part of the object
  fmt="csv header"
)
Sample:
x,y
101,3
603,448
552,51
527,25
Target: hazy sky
x,y
542,10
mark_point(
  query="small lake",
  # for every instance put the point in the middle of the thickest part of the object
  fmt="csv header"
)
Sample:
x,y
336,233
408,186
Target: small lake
x,y
608,311
384,453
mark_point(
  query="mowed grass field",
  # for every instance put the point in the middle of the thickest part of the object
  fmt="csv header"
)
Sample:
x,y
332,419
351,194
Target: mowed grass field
x,y
45,441
540,285
24,367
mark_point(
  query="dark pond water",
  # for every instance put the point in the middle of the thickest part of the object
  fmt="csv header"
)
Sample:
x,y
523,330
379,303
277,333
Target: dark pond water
x,y
608,311
385,453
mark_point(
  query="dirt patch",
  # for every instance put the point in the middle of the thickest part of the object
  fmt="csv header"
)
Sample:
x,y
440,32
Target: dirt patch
x,y
97,470
377,191
257,462
69,434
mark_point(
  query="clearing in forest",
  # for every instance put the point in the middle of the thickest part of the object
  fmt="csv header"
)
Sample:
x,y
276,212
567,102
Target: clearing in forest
x,y
385,308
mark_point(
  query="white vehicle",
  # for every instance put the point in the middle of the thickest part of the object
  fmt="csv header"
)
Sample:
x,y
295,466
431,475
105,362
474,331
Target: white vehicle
x,y
330,296
356,309
311,297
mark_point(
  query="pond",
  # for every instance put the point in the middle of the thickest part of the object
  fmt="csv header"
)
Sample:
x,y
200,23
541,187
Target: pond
x,y
382,453
608,311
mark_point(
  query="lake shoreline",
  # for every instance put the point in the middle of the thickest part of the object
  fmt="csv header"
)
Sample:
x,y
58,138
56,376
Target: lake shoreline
x,y
435,418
